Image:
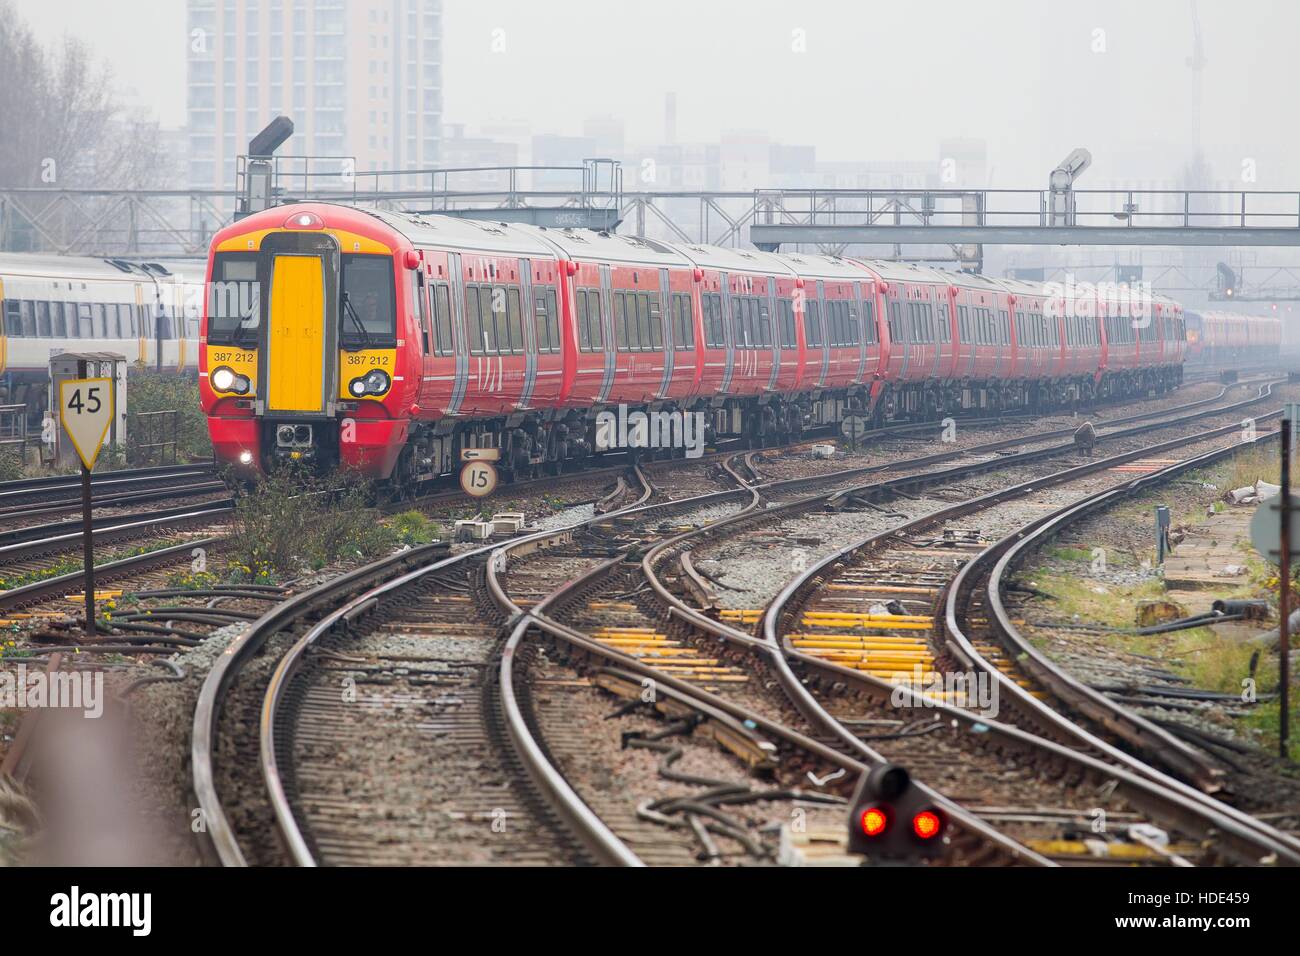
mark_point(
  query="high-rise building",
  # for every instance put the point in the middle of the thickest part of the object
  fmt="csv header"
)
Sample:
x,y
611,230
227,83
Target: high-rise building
x,y
359,79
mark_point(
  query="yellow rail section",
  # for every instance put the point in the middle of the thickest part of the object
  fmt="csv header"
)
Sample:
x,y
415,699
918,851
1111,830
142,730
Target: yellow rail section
x,y
673,657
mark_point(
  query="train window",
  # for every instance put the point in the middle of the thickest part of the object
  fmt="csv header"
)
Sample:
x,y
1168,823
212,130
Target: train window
x,y
493,330
58,324
683,323
126,319
620,322
764,324
655,317
869,322
812,323
442,318
595,320
638,332
751,322
13,318
97,313
580,307
513,319
43,319
552,319
589,327
26,324
931,332
233,298
715,330
367,284
737,324
474,321
895,320
789,337
421,296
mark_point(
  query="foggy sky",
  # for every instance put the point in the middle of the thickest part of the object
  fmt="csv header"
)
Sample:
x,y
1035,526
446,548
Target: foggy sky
x,y
878,81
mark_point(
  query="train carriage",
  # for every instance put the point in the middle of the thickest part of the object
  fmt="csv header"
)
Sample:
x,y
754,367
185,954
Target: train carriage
x,y
149,313
390,342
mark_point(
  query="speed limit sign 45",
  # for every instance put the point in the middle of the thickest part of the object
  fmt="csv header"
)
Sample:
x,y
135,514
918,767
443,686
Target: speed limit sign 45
x,y
86,411
478,478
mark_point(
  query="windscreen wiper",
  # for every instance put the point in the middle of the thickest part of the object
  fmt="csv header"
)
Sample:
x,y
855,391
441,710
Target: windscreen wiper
x,y
242,328
356,320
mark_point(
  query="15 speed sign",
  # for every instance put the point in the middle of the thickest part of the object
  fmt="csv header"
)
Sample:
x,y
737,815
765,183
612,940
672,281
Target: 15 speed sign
x,y
478,478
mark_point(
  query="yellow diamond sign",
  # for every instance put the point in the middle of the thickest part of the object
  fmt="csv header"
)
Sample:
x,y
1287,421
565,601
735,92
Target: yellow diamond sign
x,y
86,411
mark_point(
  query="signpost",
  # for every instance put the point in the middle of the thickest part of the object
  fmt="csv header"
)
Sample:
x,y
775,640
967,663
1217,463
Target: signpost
x,y
1272,534
86,411
478,476
854,427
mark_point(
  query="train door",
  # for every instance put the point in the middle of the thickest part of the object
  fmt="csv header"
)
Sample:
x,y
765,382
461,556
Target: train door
x,y
817,320
4,339
300,332
780,354
460,333
666,335
528,325
607,334
728,333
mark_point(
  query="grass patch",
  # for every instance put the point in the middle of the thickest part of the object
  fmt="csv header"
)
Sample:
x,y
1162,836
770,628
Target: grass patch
x,y
292,522
414,527
69,564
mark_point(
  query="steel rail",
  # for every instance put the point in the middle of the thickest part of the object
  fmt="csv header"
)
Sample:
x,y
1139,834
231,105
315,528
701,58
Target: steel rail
x,y
217,832
102,478
1254,841
865,758
590,829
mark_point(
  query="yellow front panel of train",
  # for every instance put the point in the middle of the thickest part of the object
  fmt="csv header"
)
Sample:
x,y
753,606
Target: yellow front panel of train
x,y
296,336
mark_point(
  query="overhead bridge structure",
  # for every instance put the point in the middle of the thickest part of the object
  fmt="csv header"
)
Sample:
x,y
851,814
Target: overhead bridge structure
x,y
933,224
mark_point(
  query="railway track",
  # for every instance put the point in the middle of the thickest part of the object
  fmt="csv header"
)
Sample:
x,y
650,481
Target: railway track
x,y
318,826
838,624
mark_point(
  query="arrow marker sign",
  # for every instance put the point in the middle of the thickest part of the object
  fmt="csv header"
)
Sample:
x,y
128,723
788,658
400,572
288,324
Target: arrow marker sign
x,y
86,411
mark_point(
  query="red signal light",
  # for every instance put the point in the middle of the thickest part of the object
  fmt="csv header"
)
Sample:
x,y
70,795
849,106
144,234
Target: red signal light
x,y
927,824
874,821
304,220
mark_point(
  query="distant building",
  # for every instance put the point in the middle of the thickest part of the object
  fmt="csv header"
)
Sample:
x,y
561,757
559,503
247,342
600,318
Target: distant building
x,y
460,151
359,78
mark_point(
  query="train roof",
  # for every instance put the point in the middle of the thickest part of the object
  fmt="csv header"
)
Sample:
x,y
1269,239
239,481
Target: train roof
x,y
735,260
820,266
40,265
474,235
611,247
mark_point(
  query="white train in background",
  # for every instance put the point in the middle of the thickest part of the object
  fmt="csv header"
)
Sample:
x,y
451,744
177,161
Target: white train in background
x,y
148,312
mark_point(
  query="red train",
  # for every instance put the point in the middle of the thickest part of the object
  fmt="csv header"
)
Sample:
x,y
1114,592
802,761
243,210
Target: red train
x,y
389,342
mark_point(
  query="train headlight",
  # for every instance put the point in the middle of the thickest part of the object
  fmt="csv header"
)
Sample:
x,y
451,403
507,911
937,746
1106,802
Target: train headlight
x,y
226,379
374,382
